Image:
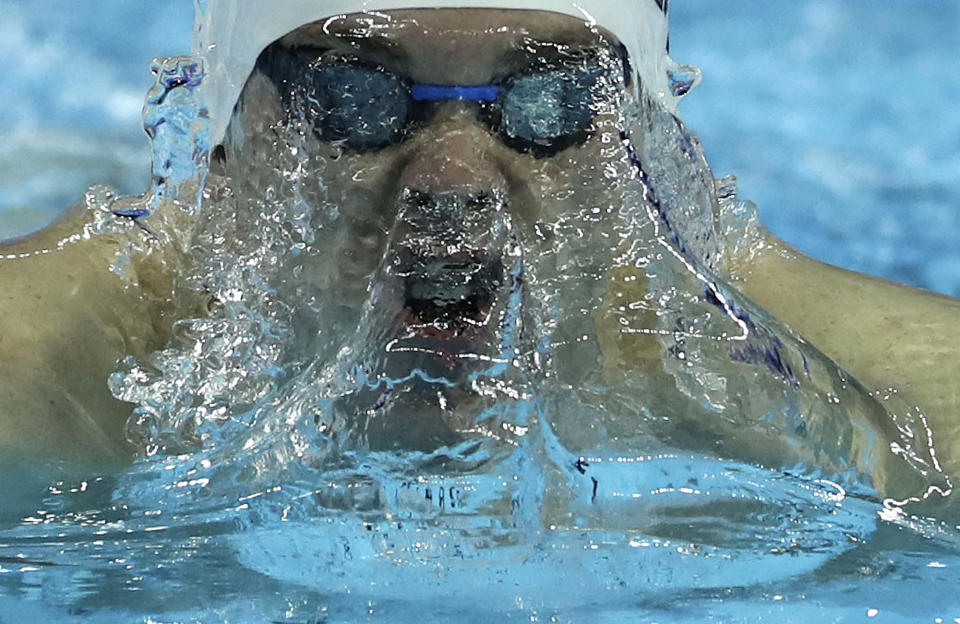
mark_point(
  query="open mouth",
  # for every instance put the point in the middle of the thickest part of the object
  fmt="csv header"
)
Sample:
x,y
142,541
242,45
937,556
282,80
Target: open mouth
x,y
448,299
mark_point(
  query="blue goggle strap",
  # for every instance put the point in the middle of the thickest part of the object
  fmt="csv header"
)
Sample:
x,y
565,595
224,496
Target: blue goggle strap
x,y
436,93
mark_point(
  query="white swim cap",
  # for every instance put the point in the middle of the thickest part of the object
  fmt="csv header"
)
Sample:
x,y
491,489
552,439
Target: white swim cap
x,y
231,34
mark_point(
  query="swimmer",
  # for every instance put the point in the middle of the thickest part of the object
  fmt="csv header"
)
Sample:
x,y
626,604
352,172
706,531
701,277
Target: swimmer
x,y
444,167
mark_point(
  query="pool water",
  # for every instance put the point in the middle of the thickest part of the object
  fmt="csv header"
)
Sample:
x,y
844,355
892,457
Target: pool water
x,y
385,537
835,118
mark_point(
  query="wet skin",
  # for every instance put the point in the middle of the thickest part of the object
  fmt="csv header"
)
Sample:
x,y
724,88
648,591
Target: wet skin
x,y
452,193
66,320
455,152
483,184
53,401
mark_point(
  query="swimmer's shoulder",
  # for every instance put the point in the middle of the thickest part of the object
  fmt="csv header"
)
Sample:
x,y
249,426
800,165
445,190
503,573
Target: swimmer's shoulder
x,y
886,334
68,314
72,270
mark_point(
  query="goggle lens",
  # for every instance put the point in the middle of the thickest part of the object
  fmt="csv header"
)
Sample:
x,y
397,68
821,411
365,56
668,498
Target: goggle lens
x,y
556,106
365,107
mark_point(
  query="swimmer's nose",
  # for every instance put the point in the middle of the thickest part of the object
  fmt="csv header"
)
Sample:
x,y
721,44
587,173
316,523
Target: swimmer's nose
x,y
454,157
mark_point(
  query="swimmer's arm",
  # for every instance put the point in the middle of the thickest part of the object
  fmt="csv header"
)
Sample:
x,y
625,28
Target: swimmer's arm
x,y
65,322
885,334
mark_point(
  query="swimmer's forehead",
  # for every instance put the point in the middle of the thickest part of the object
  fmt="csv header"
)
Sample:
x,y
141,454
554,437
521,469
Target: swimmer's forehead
x,y
454,46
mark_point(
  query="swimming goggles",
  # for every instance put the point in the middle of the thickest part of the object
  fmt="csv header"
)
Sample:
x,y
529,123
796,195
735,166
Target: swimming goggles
x,y
363,106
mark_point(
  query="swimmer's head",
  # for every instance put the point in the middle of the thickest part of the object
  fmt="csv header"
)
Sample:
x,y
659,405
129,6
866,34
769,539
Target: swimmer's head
x,y
230,35
456,185
433,147
443,140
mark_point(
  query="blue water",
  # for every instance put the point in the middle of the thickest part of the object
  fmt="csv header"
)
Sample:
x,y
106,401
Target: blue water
x,y
839,119
807,103
73,78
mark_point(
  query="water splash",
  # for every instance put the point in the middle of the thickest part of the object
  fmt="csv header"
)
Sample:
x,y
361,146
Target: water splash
x,y
286,372
178,126
620,422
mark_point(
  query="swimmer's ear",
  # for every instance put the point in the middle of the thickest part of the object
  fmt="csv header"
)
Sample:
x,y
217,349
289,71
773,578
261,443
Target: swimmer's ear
x,y
218,160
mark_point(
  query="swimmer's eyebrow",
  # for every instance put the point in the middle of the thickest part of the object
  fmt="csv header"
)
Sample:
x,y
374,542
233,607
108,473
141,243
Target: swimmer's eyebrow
x,y
372,46
383,48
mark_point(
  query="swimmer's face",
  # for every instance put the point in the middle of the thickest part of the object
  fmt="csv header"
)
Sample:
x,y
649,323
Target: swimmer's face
x,y
428,200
